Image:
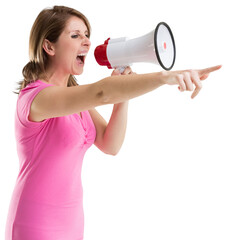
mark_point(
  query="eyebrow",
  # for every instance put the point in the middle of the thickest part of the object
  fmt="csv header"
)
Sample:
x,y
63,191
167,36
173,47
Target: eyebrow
x,y
79,31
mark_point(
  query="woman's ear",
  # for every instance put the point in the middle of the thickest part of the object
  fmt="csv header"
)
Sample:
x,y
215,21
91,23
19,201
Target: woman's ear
x,y
48,47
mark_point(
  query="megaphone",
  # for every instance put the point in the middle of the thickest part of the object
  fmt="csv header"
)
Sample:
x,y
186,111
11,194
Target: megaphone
x,y
157,47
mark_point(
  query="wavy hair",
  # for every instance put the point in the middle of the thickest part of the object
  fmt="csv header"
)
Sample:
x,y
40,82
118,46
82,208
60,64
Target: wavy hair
x,y
49,25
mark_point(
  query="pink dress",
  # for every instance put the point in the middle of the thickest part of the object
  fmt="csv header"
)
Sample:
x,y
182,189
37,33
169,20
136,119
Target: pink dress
x,y
47,201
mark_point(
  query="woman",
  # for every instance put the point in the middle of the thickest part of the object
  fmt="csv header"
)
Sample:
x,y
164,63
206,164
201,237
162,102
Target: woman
x,y
56,122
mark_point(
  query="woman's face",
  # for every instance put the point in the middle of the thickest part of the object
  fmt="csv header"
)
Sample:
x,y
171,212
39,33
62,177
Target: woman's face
x,y
72,47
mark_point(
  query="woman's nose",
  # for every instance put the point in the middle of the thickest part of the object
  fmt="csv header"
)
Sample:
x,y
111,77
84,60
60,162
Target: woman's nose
x,y
86,42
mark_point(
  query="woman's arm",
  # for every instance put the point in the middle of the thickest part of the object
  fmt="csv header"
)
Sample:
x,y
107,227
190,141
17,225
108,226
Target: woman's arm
x,y
55,101
110,137
114,134
60,101
115,131
117,89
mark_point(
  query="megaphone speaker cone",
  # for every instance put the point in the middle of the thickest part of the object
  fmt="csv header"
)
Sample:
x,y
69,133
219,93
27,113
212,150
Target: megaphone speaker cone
x,y
164,46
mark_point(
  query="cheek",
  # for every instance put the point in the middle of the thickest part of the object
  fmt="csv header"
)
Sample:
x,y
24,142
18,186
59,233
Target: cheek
x,y
65,49
65,56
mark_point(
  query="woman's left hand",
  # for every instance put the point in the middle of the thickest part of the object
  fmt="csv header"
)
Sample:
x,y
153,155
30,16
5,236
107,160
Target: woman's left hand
x,y
127,71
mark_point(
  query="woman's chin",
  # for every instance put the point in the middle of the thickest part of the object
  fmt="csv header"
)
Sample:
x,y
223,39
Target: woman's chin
x,y
78,72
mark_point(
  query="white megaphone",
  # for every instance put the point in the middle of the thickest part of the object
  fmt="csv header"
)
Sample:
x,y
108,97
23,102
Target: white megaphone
x,y
157,47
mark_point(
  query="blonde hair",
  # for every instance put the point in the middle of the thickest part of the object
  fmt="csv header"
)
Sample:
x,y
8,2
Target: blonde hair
x,y
49,24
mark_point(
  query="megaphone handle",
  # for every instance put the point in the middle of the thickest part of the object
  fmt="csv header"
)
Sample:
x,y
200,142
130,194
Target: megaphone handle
x,y
121,69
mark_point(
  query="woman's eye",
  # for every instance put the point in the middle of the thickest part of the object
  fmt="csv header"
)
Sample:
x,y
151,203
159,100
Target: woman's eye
x,y
77,35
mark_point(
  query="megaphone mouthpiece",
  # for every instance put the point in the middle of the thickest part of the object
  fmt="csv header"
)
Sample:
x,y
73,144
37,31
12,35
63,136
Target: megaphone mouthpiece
x,y
101,54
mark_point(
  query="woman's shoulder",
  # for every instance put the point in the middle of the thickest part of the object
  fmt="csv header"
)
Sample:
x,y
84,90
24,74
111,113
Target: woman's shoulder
x,y
33,87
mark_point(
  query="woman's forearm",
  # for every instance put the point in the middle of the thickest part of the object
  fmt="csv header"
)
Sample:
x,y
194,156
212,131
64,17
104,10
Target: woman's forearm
x,y
115,131
116,89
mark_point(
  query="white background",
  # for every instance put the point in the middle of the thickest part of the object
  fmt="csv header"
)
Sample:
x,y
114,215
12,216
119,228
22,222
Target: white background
x,y
169,180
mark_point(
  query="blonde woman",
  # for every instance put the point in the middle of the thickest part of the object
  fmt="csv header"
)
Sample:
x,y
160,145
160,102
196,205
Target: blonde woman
x,y
56,122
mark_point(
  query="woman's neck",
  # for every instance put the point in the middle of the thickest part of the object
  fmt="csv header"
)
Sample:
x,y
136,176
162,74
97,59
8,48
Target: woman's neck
x,y
56,77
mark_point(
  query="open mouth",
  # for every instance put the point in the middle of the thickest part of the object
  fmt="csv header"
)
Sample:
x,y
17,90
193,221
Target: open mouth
x,y
81,58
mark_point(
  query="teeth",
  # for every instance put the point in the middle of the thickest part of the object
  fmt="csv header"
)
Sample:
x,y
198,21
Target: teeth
x,y
82,54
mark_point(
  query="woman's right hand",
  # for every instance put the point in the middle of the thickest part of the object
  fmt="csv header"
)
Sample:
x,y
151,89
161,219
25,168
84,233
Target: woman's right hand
x,y
187,79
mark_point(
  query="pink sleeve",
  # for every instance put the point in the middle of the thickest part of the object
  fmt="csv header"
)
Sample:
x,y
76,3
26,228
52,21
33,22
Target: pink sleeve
x,y
24,102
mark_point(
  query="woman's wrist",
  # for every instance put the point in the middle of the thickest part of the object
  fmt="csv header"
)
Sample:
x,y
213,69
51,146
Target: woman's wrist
x,y
121,105
163,75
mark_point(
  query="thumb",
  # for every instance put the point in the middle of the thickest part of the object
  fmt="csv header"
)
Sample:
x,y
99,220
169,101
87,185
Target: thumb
x,y
115,72
205,76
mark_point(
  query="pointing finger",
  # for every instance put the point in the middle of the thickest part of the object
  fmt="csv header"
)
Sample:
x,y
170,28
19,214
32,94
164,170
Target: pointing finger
x,y
209,70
